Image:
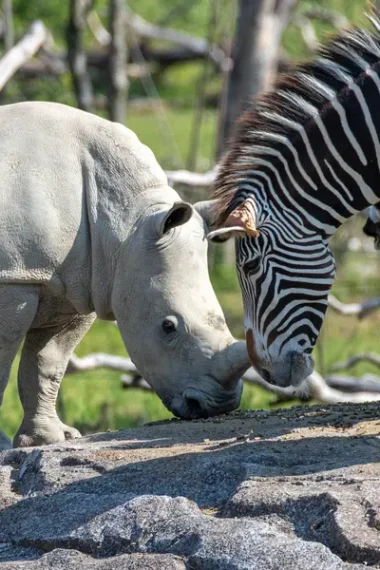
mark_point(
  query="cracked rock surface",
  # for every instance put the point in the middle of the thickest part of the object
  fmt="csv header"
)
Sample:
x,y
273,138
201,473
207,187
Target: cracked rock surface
x,y
295,489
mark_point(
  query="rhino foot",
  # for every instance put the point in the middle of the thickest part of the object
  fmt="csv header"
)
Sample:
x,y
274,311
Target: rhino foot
x,y
43,431
5,442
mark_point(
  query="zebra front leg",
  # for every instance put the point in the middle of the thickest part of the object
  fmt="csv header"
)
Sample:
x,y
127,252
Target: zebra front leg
x,y
43,363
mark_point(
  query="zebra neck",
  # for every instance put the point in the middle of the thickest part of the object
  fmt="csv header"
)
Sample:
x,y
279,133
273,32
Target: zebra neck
x,y
330,173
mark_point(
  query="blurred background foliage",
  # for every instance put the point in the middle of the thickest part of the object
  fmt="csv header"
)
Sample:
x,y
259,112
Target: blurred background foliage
x,y
161,112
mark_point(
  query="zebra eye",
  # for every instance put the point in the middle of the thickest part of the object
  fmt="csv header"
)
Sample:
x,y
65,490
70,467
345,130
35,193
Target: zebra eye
x,y
251,266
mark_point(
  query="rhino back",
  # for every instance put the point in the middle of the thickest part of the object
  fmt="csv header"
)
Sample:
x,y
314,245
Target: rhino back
x,y
61,171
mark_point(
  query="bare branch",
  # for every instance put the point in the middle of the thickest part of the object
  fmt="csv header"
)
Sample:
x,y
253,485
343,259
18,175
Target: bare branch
x,y
370,357
24,50
198,46
307,31
315,386
134,382
337,19
361,310
188,178
102,36
321,391
53,64
190,48
101,360
303,21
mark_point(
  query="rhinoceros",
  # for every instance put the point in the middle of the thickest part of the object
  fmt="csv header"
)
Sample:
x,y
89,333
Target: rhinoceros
x,y
89,227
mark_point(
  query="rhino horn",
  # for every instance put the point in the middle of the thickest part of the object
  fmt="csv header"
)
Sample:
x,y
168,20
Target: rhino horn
x,y
231,363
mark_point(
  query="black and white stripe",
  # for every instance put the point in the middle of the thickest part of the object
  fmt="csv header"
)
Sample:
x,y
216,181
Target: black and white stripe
x,y
304,159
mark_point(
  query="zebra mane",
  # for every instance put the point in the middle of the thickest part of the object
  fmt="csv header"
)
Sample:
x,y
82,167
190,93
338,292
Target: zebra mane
x,y
297,97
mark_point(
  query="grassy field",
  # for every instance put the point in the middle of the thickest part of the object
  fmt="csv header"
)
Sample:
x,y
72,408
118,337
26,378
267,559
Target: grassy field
x,y
95,400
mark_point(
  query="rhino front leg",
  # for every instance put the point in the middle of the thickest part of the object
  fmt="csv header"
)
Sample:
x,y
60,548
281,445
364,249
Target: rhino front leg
x,y
44,360
18,306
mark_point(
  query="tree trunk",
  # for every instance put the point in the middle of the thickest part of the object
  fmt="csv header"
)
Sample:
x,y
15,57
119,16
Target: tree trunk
x,y
8,24
255,54
76,55
118,62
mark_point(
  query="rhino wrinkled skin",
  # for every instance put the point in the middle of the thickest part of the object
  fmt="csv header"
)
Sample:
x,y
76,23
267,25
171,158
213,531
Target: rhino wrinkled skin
x,y
89,227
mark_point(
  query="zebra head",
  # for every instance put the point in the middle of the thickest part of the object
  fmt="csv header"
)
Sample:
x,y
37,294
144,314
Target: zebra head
x,y
285,274
303,159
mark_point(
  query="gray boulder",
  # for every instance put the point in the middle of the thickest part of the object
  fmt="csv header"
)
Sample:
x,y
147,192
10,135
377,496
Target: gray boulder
x,y
294,489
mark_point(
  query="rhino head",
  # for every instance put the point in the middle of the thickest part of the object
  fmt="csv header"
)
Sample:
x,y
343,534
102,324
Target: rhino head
x,y
169,317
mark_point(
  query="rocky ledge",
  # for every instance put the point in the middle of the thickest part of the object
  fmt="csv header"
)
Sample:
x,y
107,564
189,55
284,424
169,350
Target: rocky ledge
x,y
285,490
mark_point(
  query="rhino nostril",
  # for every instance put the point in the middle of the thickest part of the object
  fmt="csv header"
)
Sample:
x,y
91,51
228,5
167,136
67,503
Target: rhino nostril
x,y
194,407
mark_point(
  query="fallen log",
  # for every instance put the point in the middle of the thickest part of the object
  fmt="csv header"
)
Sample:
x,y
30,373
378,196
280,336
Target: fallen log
x,y
360,310
370,357
366,383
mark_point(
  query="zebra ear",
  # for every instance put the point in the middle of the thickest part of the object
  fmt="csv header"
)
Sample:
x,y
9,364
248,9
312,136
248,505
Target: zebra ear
x,y
239,222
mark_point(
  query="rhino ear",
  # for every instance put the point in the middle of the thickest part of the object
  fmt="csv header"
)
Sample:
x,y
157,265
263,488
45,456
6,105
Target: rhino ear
x,y
206,209
240,222
179,214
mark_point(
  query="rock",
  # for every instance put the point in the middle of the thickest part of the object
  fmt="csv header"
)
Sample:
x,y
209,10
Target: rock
x,y
292,489
73,560
18,553
7,496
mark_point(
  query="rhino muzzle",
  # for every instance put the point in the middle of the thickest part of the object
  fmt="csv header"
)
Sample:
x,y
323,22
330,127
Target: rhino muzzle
x,y
193,404
216,392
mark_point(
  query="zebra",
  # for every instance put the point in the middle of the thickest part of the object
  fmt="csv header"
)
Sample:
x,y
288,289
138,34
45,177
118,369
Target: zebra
x,y
305,157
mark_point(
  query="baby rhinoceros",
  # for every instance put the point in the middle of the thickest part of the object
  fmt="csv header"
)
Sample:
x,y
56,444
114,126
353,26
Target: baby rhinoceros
x,y
89,227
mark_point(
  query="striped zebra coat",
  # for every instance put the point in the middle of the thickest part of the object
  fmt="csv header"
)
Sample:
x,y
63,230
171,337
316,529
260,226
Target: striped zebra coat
x,y
305,158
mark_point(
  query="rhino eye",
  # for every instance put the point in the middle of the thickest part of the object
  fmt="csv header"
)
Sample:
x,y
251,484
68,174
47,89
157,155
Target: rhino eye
x,y
169,325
